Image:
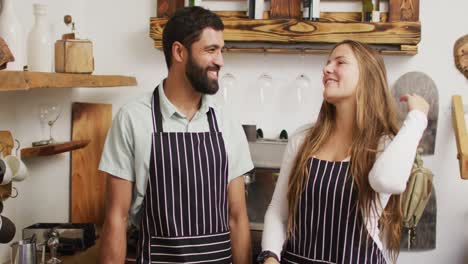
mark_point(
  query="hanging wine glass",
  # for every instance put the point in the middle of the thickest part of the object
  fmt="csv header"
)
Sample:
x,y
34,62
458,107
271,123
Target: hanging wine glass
x,y
264,97
48,114
302,83
227,84
264,84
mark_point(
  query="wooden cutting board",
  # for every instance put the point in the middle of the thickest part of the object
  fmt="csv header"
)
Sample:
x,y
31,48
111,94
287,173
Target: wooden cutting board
x,y
421,84
88,185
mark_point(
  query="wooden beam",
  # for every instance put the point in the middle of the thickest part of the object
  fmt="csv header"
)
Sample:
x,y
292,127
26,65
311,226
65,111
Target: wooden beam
x,y
292,31
20,80
324,16
461,136
231,14
308,50
347,16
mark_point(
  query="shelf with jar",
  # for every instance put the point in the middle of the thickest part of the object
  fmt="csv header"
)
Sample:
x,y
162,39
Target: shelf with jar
x,y
393,34
74,60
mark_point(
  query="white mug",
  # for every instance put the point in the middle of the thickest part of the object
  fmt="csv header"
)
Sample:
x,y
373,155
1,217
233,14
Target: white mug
x,y
18,168
5,172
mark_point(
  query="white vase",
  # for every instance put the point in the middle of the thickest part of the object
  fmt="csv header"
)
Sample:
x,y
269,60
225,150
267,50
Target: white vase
x,y
40,42
12,32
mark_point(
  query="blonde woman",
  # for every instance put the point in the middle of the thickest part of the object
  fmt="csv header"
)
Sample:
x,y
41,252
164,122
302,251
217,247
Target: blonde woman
x,y
337,197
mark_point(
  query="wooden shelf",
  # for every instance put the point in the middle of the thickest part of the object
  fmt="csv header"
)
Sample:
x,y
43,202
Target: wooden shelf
x,y
22,80
53,149
293,35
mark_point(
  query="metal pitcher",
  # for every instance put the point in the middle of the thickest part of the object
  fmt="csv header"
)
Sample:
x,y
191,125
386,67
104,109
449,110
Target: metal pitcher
x,y
24,252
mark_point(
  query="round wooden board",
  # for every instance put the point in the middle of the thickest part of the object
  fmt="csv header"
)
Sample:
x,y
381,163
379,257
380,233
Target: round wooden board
x,y
460,54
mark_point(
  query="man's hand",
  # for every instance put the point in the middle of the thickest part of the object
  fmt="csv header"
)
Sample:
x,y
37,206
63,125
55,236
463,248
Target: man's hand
x,y
114,235
239,222
271,261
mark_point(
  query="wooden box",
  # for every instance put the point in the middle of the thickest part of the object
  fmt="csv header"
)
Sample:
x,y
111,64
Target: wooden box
x,y
167,8
74,56
285,9
403,10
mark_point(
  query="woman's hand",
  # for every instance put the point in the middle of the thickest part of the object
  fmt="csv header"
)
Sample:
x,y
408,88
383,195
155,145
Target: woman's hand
x,y
415,102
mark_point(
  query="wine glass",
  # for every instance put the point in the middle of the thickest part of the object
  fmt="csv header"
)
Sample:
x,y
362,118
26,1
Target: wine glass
x,y
49,113
264,84
302,83
227,84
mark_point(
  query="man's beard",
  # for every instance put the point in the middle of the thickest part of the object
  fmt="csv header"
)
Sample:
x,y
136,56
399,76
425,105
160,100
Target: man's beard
x,y
198,77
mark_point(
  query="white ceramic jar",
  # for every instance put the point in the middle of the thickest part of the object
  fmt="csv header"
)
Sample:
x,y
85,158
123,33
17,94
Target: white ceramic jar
x,y
40,42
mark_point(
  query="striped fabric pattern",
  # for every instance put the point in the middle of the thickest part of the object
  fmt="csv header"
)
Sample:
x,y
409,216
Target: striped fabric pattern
x,y
329,224
185,217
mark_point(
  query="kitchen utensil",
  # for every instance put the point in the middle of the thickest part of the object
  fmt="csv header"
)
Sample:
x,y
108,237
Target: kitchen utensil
x,y
24,252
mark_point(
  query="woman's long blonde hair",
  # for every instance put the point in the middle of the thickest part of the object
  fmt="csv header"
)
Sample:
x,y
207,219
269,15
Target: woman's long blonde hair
x,y
375,116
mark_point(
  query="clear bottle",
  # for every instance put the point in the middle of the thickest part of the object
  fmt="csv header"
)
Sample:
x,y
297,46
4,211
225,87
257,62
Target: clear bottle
x,y
367,8
12,32
259,8
193,3
376,11
305,9
371,10
40,42
251,9
314,10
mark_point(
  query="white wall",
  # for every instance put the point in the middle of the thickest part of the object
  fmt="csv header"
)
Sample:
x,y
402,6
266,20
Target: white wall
x,y
119,30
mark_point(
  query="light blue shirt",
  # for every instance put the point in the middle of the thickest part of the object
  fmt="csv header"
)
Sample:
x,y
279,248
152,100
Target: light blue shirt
x,y
127,149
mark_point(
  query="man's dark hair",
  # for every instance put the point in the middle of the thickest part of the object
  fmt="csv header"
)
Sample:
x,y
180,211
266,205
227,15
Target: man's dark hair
x,y
186,26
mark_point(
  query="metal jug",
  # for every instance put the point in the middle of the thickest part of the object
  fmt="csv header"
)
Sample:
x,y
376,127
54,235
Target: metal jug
x,y
24,252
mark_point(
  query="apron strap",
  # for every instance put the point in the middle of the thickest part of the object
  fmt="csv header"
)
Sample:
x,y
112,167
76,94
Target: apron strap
x,y
212,121
157,116
156,111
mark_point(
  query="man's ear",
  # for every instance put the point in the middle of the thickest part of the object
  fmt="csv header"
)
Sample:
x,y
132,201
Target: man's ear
x,y
179,52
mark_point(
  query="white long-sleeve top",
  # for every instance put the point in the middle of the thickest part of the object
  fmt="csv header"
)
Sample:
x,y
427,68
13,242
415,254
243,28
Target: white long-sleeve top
x,y
388,176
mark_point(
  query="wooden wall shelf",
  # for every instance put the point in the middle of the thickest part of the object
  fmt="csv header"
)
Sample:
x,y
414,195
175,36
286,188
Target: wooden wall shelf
x,y
53,149
21,80
461,136
243,34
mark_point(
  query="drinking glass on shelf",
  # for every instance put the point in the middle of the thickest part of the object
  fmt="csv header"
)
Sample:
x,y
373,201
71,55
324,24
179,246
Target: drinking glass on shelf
x,y
49,113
